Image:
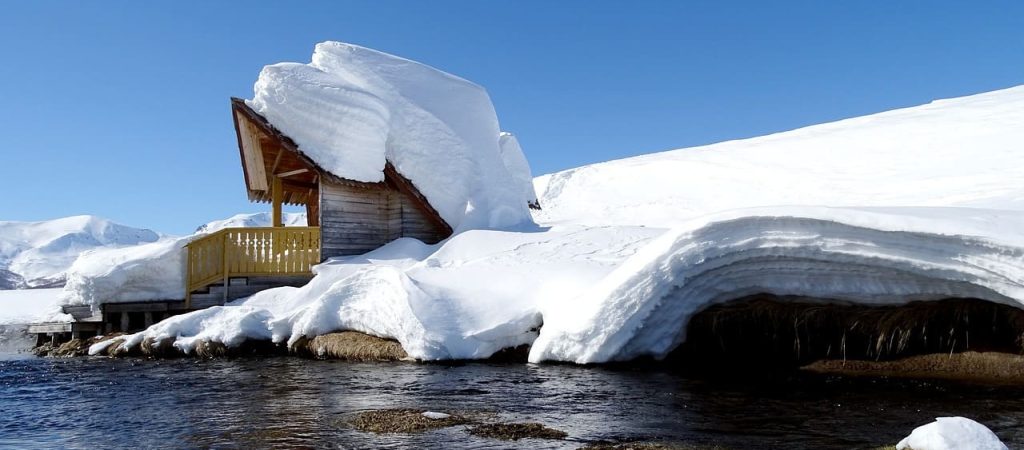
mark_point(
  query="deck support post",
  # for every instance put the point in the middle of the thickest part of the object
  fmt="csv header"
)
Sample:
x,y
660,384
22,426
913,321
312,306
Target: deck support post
x,y
224,262
125,323
147,319
277,197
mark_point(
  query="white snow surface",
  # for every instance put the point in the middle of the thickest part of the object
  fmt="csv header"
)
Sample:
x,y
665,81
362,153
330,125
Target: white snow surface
x,y
25,306
351,109
958,152
836,212
41,252
952,433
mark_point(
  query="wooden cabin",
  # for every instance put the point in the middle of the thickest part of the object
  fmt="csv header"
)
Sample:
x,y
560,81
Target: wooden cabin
x,y
345,217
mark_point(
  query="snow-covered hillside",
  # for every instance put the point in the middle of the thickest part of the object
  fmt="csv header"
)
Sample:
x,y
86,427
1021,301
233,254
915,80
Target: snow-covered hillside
x,y
253,220
964,152
36,254
923,203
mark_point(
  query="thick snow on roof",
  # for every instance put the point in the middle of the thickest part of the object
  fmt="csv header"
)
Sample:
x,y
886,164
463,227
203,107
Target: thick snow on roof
x,y
959,152
351,109
870,210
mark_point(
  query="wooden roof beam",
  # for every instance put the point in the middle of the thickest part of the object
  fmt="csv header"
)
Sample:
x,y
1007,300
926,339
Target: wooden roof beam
x,y
291,172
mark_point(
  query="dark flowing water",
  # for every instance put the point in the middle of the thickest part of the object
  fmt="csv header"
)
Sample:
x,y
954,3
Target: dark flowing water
x,y
289,402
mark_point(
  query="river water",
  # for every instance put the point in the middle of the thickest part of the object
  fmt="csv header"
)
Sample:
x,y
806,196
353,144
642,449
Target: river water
x,y
284,402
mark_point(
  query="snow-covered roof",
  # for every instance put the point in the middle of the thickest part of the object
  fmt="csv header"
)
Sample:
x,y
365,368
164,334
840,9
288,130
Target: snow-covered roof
x,y
353,110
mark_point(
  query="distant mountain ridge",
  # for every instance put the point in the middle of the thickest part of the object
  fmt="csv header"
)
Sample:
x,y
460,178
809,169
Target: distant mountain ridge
x,y
37,254
262,219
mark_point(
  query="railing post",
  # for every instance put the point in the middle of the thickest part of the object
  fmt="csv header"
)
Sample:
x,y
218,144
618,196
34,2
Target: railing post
x,y
188,277
224,263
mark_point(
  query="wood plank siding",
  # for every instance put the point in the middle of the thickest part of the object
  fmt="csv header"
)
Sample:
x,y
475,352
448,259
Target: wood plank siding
x,y
356,219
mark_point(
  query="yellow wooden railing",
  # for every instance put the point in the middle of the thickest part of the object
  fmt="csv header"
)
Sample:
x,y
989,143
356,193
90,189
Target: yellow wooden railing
x,y
245,252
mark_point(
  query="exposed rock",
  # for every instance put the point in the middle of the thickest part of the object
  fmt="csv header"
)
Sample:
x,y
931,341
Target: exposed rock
x,y
403,421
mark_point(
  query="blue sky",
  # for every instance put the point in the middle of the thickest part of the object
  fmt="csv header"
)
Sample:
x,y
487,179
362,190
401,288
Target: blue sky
x,y
120,109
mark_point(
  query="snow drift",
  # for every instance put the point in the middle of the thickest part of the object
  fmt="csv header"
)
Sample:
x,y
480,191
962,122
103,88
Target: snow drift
x,y
877,257
951,433
351,109
917,204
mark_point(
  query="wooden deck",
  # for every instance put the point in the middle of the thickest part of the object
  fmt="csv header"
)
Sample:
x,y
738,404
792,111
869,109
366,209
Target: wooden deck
x,y
226,265
250,252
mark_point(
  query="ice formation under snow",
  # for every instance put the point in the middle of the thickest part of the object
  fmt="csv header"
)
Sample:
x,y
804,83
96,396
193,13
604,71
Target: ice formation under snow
x,y
916,204
351,109
951,433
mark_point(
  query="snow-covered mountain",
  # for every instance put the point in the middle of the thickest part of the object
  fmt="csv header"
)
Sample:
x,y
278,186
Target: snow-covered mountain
x,y
963,152
253,220
37,254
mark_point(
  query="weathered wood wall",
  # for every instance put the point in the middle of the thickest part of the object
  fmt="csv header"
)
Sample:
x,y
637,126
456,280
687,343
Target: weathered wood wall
x,y
355,220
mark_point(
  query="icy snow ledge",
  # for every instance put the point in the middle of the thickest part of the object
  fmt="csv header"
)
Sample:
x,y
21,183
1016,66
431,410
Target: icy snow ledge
x,y
952,433
352,108
867,256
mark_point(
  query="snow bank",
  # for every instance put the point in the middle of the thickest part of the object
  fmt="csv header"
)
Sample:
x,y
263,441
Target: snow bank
x,y
473,295
952,433
351,109
154,271
867,256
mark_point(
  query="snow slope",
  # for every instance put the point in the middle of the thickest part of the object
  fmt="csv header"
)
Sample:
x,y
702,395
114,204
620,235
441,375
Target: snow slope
x,y
351,109
39,253
922,203
957,152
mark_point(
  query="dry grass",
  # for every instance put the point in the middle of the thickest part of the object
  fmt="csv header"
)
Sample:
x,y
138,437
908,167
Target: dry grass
x,y
72,348
350,346
403,421
163,348
985,367
517,431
